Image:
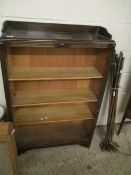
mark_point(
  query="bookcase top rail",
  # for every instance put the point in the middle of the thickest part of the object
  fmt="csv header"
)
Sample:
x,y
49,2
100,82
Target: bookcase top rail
x,y
31,33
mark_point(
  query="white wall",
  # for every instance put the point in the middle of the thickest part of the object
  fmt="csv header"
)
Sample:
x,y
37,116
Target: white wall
x,y
115,15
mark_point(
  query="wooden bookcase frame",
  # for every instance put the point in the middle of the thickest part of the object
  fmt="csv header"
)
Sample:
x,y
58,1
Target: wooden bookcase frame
x,y
54,81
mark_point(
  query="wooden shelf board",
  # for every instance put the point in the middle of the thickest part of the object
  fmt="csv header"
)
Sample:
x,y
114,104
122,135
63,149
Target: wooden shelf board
x,y
53,113
53,73
52,96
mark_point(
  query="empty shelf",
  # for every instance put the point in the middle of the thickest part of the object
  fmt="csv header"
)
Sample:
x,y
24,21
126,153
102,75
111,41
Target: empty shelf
x,y
52,96
52,113
53,73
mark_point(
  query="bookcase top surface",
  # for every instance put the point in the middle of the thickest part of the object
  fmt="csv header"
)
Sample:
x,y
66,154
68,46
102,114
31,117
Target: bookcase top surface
x,y
16,30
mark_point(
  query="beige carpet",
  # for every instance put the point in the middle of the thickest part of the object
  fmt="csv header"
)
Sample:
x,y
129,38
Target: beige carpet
x,y
78,160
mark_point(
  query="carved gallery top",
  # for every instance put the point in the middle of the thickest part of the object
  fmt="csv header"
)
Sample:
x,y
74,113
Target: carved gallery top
x,y
62,35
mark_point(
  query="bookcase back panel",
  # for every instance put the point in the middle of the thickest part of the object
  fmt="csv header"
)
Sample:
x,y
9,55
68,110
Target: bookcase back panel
x,y
94,85
64,84
49,57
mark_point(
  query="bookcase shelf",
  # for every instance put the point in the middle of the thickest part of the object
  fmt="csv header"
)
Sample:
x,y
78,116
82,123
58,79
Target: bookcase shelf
x,y
52,113
52,96
53,73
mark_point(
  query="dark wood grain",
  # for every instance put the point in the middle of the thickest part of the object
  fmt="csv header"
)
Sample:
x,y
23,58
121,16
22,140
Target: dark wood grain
x,y
18,33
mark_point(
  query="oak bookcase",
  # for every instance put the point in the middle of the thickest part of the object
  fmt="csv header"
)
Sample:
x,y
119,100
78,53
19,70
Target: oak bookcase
x,y
54,78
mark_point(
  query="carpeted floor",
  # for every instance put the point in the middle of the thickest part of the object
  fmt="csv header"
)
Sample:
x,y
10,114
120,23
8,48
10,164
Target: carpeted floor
x,y
78,160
